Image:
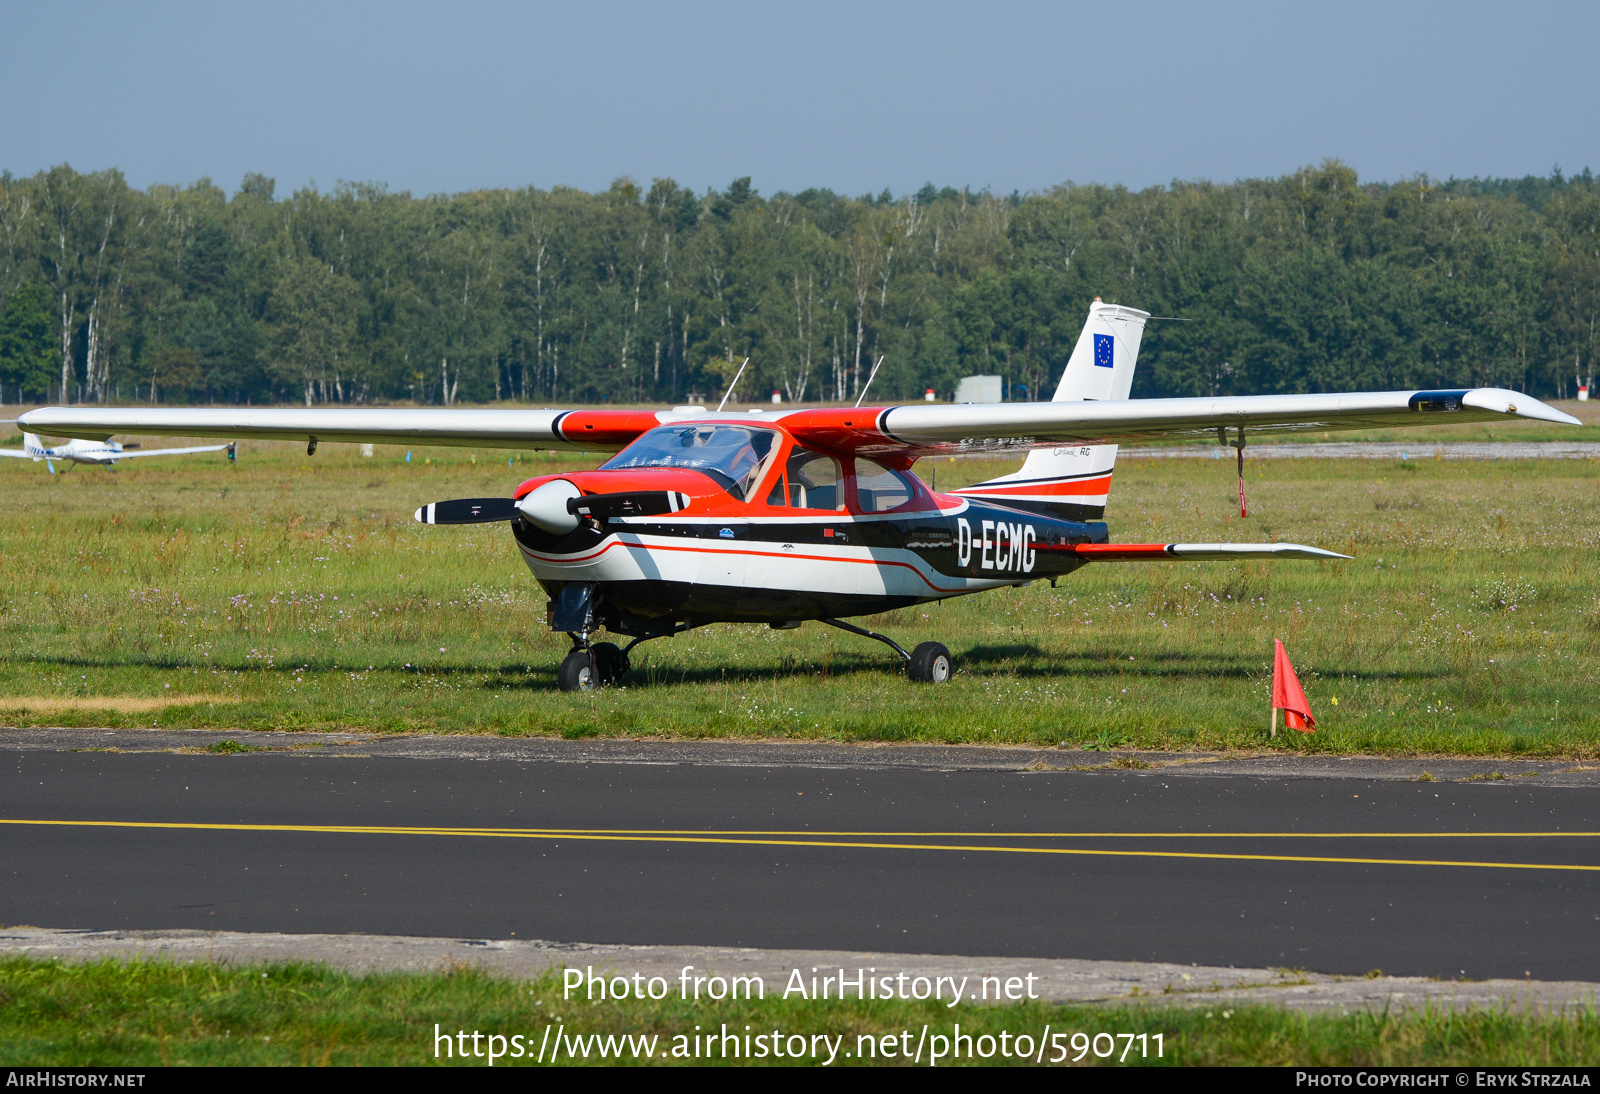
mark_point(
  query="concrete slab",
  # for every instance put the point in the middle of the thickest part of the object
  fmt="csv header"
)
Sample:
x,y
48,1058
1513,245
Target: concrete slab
x,y
820,754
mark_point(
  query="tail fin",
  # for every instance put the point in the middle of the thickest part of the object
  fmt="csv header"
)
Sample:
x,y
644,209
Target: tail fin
x,y
33,446
1075,482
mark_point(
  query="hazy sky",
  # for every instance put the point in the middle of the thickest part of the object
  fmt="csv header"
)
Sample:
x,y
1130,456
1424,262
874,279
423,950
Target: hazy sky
x,y
855,96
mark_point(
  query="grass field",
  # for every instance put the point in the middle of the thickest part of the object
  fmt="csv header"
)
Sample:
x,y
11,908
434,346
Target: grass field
x,y
295,592
132,1014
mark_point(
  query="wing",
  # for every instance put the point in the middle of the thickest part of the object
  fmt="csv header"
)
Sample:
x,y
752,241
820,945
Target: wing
x,y
978,427
914,430
587,430
136,453
19,454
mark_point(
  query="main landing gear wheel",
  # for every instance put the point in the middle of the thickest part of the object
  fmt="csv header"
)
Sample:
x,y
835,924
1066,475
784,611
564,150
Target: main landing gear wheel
x,y
610,662
930,663
578,672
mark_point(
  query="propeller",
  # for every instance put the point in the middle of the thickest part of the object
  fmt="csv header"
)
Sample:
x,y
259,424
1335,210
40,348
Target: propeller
x,y
557,507
467,511
643,503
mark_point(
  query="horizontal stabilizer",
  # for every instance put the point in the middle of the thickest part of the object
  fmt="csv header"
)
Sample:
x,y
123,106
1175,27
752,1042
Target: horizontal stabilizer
x,y
1205,552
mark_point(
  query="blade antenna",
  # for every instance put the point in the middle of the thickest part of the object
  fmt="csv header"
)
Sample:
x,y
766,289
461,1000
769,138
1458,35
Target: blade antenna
x,y
731,386
873,376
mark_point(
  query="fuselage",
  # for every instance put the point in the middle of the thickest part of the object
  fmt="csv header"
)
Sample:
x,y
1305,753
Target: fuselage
x,y
77,451
788,534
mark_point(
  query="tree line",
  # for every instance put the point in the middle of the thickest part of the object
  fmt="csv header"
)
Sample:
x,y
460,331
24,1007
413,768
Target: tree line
x,y
1314,281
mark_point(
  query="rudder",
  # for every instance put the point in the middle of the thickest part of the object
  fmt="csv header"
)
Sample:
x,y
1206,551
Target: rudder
x,y
1074,482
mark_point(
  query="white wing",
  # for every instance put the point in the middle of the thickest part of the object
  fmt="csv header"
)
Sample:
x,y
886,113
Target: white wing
x,y
491,428
19,454
914,428
127,455
1000,425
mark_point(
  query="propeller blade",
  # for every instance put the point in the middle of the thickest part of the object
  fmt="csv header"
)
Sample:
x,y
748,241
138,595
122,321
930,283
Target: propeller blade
x,y
647,503
467,511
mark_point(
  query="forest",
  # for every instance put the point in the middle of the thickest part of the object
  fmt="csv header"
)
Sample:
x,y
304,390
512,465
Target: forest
x,y
1316,281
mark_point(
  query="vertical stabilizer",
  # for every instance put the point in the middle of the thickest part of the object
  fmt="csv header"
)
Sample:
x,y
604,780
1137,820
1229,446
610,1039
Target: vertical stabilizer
x,y
1074,482
33,446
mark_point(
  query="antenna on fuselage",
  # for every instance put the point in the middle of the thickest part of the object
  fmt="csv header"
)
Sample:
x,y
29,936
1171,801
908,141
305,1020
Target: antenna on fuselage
x,y
731,386
871,377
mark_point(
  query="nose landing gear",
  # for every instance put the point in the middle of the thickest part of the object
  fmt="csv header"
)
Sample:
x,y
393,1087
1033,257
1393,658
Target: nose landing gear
x,y
589,667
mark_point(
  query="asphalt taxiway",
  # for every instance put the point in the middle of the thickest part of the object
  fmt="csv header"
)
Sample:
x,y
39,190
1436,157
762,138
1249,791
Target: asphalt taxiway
x,y
1338,870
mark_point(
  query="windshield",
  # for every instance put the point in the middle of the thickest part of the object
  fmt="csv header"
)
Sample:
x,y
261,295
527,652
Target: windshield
x,y
734,455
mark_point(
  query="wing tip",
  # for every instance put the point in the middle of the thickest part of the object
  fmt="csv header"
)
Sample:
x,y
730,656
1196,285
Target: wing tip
x,y
1514,402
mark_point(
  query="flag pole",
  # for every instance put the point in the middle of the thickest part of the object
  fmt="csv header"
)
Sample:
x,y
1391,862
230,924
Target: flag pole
x,y
1274,721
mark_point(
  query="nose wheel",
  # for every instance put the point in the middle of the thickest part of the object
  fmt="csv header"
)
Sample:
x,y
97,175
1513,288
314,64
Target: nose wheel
x,y
592,666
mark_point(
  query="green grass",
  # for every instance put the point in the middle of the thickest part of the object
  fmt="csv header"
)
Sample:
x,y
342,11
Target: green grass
x,y
296,593
137,1013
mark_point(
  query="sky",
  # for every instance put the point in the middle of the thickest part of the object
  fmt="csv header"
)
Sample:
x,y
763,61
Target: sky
x,y
854,96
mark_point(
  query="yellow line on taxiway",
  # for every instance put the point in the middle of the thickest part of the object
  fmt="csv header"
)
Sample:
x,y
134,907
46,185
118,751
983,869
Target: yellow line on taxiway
x,y
770,840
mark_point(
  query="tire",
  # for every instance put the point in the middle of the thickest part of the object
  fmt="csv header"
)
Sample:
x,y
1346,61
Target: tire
x,y
578,672
609,662
931,663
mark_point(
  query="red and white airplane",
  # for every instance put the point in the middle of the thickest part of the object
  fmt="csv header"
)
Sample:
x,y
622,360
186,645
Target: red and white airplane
x,y
785,517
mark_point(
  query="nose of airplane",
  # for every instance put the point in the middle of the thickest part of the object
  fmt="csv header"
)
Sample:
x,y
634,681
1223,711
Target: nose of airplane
x,y
546,507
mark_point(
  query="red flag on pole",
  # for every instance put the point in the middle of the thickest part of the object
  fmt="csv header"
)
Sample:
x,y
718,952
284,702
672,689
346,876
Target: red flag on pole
x,y
1287,694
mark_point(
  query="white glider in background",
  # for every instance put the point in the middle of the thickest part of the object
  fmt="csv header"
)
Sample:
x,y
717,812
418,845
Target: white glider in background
x,y
103,453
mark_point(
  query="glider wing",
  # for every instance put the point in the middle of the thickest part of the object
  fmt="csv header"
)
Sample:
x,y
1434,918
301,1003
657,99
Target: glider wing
x,y
127,455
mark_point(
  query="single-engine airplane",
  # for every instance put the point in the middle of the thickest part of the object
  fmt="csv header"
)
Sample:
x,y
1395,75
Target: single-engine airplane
x,y
104,453
816,514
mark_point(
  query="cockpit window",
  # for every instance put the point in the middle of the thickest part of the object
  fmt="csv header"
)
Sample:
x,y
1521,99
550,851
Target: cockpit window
x,y
814,480
735,456
879,489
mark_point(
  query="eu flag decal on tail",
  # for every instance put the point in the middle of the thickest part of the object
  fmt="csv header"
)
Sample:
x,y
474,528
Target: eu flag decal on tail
x,y
1102,351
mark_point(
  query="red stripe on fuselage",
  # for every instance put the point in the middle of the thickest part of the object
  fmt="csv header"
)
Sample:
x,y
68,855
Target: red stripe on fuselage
x,y
753,554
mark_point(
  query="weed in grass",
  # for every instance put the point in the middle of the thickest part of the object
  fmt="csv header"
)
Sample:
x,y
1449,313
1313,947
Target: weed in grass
x,y
286,593
1503,594
230,745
